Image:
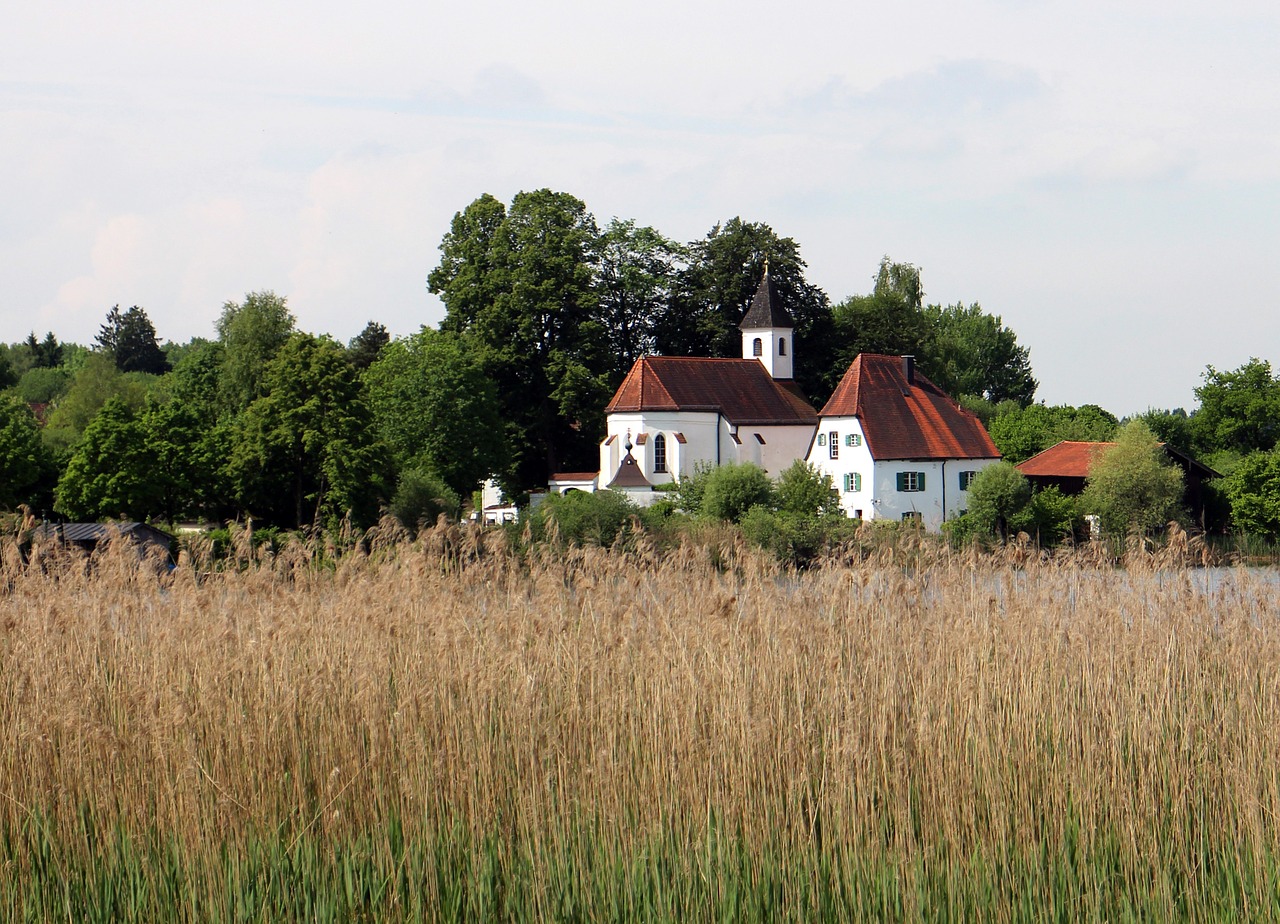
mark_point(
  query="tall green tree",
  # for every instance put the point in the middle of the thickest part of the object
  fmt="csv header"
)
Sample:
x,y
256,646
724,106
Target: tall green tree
x,y
434,406
1253,489
638,280
1019,433
1239,409
365,346
1133,485
716,288
521,283
970,352
130,339
251,333
109,474
304,452
27,469
890,320
94,384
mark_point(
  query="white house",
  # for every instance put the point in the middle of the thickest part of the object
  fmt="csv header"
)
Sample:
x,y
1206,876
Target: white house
x,y
896,447
672,413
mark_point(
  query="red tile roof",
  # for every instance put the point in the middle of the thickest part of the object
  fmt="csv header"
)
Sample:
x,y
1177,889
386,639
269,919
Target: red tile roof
x,y
740,389
906,420
1068,459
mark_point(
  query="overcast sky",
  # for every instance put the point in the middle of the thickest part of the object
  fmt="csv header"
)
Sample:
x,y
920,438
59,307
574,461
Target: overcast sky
x,y
1104,176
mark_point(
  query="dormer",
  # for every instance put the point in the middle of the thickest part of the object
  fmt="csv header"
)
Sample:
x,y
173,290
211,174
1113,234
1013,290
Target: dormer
x,y
766,330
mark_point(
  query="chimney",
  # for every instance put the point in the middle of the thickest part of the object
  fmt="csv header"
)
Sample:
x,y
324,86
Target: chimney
x,y
909,369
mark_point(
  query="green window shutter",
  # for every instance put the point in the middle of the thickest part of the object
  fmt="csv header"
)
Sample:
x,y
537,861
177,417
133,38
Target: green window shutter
x,y
857,481
920,481
822,439
902,481
848,483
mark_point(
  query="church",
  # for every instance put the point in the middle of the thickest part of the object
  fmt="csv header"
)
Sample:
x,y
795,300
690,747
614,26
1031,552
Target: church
x,y
895,446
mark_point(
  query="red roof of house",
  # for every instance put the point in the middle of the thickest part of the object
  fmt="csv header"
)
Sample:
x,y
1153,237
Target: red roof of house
x,y
1068,459
906,420
574,476
740,389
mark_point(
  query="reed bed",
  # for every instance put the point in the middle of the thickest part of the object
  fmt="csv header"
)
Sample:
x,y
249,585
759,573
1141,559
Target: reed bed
x,y
446,729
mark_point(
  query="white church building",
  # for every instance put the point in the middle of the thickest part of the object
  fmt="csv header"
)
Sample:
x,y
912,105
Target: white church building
x,y
894,444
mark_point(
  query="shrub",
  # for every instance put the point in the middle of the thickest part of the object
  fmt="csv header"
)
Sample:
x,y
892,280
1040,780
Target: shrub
x,y
732,490
803,489
997,495
582,518
421,498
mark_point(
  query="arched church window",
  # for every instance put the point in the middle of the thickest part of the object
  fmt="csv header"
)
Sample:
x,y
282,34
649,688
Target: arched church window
x,y
757,347
659,453
782,346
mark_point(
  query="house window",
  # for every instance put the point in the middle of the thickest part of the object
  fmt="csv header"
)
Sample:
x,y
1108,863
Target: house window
x,y
853,481
853,439
857,514
833,444
910,481
757,347
913,518
782,346
966,479
659,453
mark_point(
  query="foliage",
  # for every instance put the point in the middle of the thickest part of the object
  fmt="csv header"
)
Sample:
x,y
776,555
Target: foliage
x,y
637,283
804,490
521,283
1133,485
716,288
1239,410
96,383
583,518
130,339
251,333
1020,433
41,385
434,406
1253,490
303,452
366,346
421,498
692,488
26,466
733,489
1050,517
969,352
109,474
997,495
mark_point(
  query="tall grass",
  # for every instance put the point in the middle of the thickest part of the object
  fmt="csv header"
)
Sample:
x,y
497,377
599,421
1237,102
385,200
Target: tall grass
x,y
446,729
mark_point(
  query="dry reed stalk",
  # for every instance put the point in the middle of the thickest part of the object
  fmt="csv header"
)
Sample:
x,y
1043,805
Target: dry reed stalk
x,y
916,703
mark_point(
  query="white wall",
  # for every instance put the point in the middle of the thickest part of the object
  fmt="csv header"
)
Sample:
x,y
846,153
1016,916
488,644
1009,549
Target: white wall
x,y
778,363
942,498
850,460
709,439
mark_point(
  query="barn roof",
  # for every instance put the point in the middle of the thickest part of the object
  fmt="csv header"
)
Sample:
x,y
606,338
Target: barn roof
x,y
906,418
1074,459
1067,459
740,389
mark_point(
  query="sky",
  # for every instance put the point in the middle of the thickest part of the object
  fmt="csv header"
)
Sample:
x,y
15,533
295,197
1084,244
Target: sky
x,y
1103,176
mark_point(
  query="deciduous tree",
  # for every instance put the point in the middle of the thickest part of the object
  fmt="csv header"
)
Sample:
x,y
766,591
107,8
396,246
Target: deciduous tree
x,y
434,406
1133,485
251,332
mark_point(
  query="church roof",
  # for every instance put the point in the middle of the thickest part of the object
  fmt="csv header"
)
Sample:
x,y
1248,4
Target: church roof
x,y
906,418
629,474
740,389
766,309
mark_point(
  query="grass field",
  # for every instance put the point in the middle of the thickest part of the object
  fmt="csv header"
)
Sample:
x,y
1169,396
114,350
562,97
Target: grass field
x,y
448,730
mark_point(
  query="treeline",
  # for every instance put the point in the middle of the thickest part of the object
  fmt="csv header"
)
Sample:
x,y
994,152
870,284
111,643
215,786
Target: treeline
x,y
546,310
